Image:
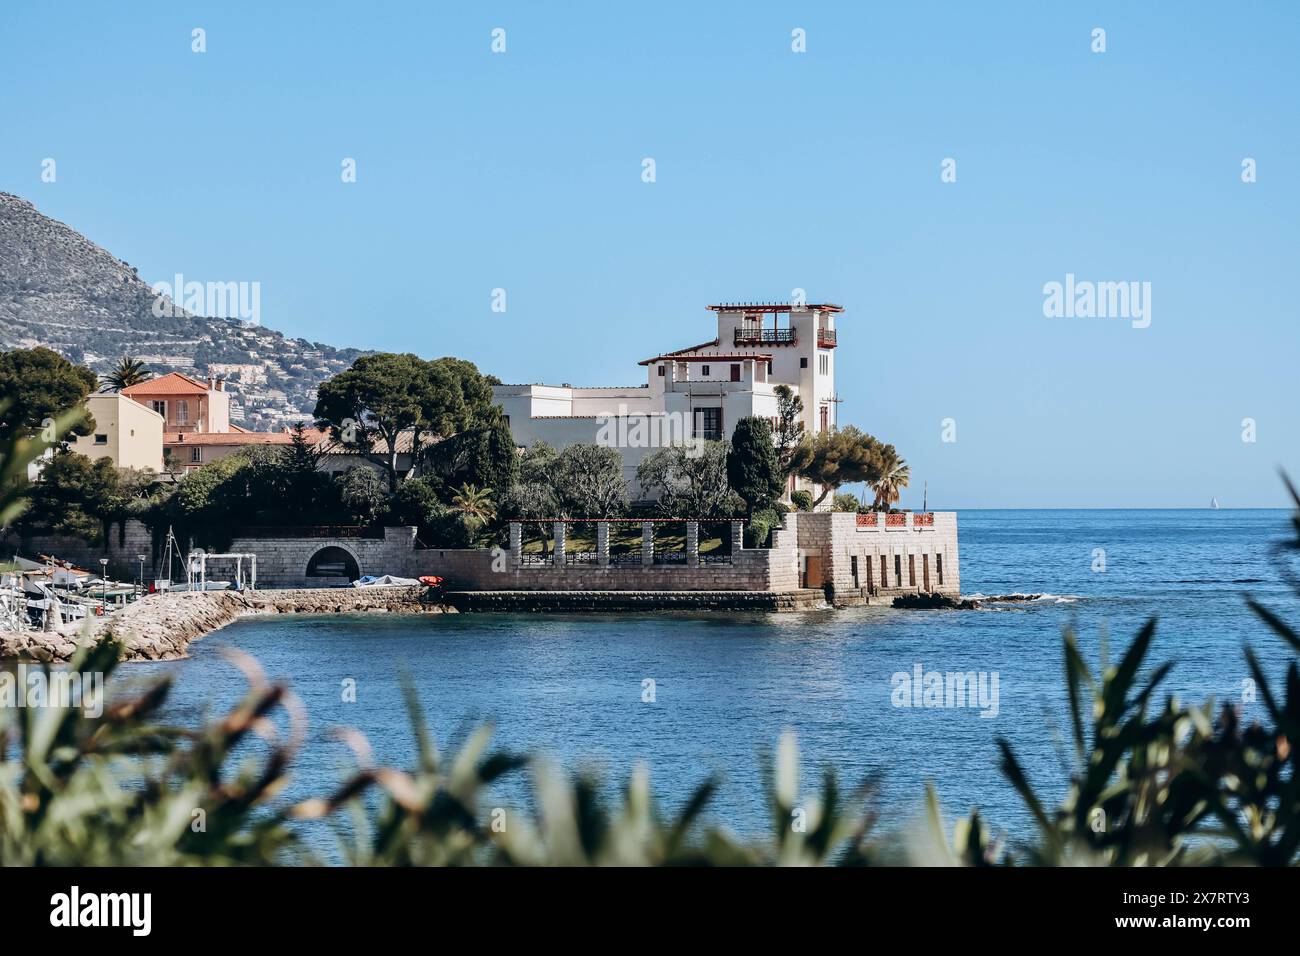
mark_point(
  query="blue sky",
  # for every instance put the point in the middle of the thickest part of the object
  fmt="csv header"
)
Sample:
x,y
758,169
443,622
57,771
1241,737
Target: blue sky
x,y
775,171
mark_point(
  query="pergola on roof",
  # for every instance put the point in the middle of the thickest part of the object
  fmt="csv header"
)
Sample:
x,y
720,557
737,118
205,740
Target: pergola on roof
x,y
774,307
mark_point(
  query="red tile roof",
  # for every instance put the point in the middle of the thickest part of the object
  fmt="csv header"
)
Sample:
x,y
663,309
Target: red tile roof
x,y
705,357
226,438
173,383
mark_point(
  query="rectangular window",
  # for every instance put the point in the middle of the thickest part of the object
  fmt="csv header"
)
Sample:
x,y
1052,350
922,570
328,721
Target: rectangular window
x,y
898,571
661,371
938,568
708,424
159,407
884,572
196,455
101,439
803,362
704,371
925,570
911,570
735,373
853,569
182,412
769,369
826,417
824,364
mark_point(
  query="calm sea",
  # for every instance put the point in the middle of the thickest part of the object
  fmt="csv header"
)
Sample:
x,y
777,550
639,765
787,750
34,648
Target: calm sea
x,y
726,685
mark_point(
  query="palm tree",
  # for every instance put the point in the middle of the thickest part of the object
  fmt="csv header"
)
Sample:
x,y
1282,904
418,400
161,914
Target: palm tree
x,y
474,503
126,373
894,476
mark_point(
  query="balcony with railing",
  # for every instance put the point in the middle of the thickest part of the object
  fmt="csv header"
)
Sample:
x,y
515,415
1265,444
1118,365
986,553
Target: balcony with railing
x,y
826,338
760,336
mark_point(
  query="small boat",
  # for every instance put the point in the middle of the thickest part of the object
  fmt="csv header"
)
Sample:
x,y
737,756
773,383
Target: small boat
x,y
383,581
1214,503
431,580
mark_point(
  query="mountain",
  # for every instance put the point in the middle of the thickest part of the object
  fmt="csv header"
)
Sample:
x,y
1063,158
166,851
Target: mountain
x,y
60,290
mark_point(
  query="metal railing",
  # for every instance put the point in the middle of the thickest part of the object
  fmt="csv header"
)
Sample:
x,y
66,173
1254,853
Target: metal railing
x,y
764,337
825,339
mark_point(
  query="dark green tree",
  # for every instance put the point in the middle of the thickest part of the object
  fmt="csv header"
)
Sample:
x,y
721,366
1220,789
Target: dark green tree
x,y
789,427
38,387
75,496
385,401
484,456
363,494
752,468
533,497
841,456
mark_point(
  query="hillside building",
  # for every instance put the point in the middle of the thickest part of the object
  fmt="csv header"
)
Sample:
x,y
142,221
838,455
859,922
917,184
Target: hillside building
x,y
696,392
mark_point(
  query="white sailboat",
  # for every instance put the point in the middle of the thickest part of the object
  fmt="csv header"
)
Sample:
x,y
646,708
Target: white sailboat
x,y
1214,503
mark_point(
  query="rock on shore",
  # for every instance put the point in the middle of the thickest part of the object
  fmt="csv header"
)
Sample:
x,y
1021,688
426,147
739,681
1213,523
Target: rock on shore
x,y
159,627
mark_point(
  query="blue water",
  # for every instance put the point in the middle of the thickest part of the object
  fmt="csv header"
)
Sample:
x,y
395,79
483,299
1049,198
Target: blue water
x,y
726,685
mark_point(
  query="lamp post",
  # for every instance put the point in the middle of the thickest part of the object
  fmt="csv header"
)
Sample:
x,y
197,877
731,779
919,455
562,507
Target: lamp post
x,y
103,577
140,590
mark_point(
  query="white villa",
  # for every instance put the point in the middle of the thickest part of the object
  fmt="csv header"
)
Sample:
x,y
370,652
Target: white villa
x,y
699,392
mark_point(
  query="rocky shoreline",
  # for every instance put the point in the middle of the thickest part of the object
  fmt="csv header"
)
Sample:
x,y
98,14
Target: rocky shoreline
x,y
160,627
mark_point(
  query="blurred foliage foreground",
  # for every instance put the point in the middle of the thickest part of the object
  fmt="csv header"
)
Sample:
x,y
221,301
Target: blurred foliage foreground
x,y
1152,784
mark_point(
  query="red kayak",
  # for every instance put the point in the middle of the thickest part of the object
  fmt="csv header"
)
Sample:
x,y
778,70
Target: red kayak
x,y
432,580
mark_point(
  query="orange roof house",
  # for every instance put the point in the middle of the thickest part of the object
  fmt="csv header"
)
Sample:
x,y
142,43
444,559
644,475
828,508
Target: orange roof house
x,y
186,404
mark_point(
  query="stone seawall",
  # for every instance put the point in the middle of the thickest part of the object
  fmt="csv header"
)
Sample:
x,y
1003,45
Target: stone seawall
x,y
574,601
161,626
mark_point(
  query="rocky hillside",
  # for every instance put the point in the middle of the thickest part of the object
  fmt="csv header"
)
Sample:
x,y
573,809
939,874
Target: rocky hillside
x,y
60,290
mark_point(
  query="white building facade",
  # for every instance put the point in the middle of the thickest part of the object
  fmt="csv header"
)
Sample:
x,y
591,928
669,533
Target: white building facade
x,y
698,392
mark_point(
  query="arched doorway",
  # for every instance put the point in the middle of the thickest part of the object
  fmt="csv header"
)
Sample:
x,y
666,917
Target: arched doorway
x,y
333,562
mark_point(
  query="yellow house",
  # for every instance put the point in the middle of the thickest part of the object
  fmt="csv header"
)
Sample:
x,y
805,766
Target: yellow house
x,y
129,433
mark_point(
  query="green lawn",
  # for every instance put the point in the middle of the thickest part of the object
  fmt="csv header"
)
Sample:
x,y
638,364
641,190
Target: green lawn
x,y
627,538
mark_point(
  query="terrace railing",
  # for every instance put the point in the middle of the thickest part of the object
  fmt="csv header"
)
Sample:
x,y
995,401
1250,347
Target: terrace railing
x,y
764,337
670,557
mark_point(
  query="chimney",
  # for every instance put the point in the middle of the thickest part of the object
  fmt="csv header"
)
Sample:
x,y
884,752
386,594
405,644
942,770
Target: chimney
x,y
212,384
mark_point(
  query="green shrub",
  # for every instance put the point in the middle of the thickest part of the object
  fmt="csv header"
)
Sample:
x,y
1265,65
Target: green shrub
x,y
759,528
802,500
